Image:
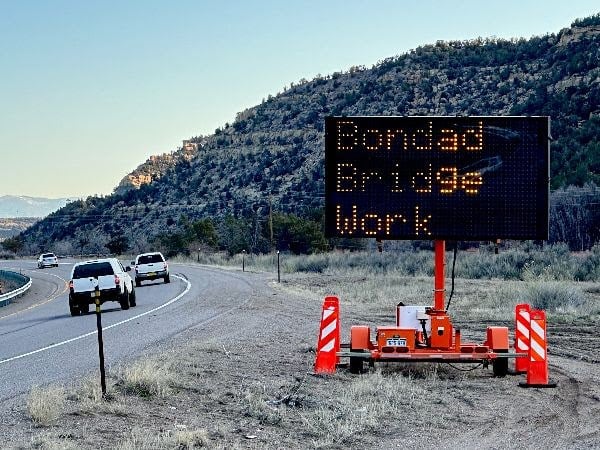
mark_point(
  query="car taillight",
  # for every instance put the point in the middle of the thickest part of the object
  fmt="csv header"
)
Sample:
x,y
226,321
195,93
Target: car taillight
x,y
117,280
136,268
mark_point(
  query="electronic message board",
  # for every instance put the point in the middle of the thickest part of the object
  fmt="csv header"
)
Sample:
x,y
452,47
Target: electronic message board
x,y
458,178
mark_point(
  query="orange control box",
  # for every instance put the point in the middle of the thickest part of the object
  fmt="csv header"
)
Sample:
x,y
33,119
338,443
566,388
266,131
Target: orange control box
x,y
441,332
394,337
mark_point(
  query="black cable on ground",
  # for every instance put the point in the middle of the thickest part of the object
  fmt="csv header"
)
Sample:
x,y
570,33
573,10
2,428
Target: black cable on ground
x,y
464,370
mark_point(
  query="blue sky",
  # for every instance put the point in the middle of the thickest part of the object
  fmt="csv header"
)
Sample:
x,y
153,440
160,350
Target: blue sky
x,y
90,89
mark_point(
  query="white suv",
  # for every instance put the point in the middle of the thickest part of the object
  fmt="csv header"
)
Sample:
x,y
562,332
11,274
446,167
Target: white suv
x,y
106,278
47,260
150,266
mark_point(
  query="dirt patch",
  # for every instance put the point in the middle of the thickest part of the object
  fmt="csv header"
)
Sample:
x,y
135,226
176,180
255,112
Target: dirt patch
x,y
243,382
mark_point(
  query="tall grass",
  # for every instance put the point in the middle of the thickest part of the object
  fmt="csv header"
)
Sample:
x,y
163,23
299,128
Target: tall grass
x,y
545,277
146,378
367,401
45,405
179,438
519,262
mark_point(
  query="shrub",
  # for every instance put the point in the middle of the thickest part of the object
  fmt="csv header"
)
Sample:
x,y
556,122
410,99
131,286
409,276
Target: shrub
x,y
146,378
554,297
588,269
312,263
45,405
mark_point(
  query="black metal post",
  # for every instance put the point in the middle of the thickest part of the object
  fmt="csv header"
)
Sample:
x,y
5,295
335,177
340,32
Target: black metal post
x,y
100,342
278,269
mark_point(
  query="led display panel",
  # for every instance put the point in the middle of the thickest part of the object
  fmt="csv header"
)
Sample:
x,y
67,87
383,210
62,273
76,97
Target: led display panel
x,y
456,178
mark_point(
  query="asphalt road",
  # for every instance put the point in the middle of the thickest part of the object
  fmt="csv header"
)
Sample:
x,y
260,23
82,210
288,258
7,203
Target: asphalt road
x,y
40,343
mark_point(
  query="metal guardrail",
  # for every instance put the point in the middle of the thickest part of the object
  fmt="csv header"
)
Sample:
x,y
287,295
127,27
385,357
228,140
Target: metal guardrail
x,y
23,280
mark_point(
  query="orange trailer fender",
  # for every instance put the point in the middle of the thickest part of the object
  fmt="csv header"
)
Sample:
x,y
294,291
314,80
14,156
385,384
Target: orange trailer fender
x,y
497,338
360,337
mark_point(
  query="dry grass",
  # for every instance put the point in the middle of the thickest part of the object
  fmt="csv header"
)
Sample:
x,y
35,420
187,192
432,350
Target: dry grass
x,y
472,299
89,399
520,261
545,278
329,412
45,405
178,438
53,441
90,390
362,403
146,377
256,403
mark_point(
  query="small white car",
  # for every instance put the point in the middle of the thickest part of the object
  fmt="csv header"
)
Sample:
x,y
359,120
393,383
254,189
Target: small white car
x,y
47,260
106,279
151,266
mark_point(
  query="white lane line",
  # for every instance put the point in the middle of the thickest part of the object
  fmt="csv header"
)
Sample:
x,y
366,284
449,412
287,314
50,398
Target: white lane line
x,y
91,333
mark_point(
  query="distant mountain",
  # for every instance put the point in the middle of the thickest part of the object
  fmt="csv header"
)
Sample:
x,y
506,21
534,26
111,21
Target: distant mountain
x,y
12,206
271,158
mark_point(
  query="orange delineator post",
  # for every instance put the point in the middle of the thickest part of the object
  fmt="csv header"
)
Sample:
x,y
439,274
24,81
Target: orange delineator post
x,y
328,344
537,372
522,324
439,293
538,354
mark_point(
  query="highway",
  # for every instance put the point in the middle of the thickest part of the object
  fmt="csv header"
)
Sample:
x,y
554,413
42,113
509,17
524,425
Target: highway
x,y
40,343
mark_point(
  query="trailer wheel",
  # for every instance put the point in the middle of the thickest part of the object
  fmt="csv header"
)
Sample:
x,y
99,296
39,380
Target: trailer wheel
x,y
356,365
500,365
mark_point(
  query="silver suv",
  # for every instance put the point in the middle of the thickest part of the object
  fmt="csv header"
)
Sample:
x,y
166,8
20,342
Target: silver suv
x,y
106,278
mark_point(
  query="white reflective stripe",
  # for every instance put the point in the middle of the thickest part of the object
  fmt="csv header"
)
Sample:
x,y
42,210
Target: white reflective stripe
x,y
521,328
524,315
522,345
537,329
328,312
538,349
328,329
329,346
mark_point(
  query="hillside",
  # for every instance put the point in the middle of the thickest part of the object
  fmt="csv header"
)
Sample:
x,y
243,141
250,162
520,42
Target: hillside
x,y
271,157
12,226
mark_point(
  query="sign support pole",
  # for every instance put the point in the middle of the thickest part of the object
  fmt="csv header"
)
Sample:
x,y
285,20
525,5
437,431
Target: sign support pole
x,y
439,292
100,342
278,269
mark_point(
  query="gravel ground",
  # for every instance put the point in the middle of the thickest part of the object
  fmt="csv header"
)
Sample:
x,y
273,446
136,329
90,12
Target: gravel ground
x,y
243,381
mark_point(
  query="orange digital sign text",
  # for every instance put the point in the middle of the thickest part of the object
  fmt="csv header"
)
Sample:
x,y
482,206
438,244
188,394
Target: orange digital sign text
x,y
468,178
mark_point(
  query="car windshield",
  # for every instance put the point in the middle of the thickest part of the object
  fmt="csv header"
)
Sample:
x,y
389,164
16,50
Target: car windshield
x,y
147,259
48,255
93,270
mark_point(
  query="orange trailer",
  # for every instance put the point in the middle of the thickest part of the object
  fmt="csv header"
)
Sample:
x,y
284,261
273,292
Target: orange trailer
x,y
425,333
